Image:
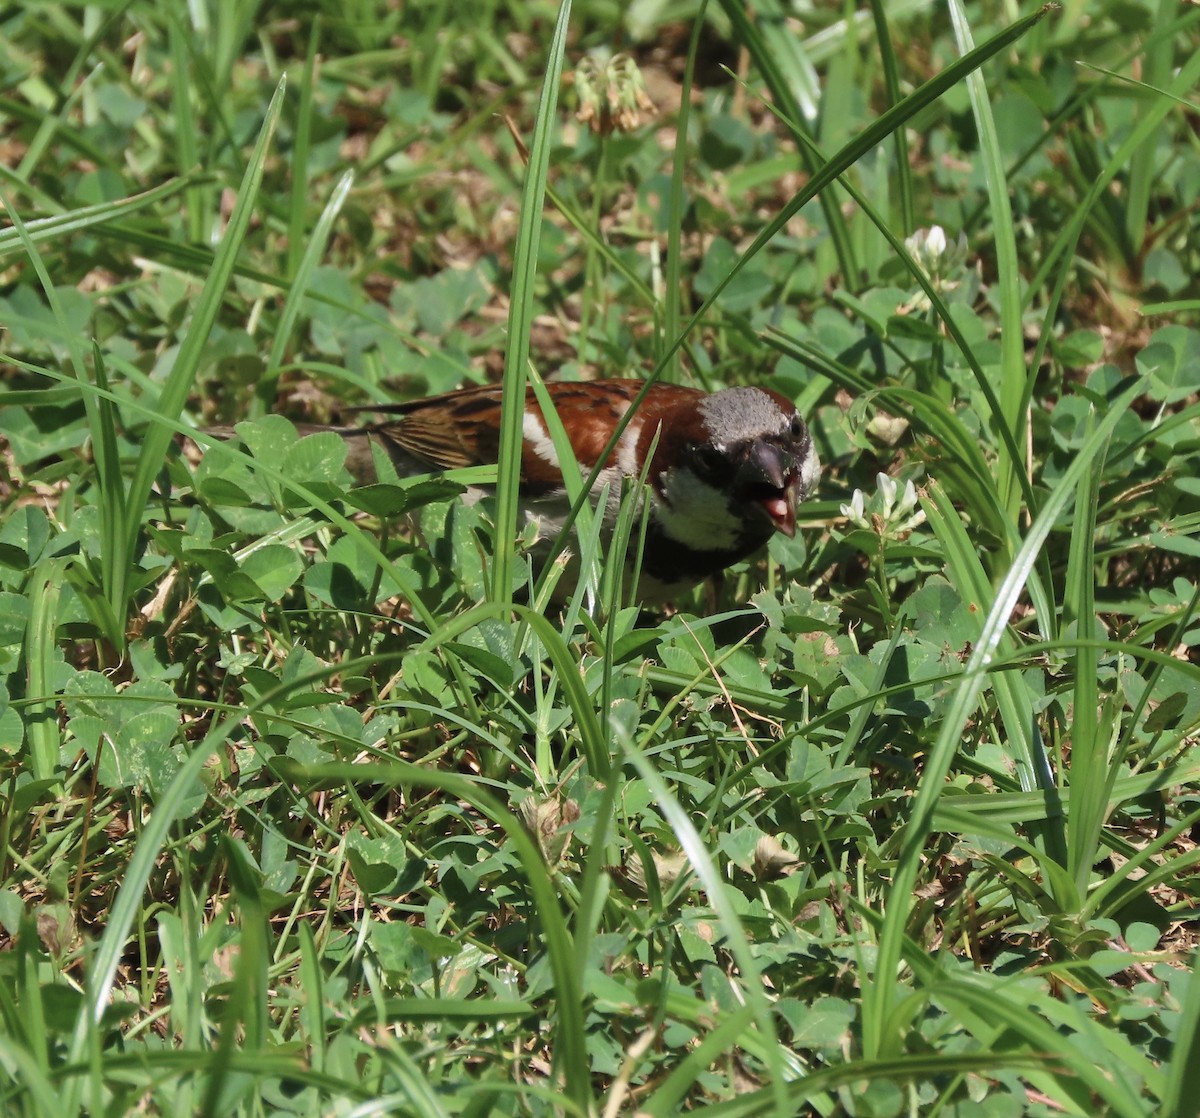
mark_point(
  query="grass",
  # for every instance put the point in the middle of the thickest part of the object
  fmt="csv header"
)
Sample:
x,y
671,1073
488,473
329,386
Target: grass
x,y
313,805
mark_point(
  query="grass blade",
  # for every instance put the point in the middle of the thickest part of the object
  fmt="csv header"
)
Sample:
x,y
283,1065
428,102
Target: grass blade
x,y
520,317
314,250
1013,375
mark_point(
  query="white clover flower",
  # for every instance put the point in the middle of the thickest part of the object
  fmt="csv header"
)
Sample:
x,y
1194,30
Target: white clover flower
x,y
854,510
910,501
883,512
917,242
941,259
887,494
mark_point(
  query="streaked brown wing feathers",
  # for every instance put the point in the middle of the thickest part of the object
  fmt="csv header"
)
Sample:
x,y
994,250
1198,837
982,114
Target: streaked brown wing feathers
x,y
433,440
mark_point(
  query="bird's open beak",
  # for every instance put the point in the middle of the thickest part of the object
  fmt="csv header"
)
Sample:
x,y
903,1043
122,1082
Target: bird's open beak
x,y
782,510
769,478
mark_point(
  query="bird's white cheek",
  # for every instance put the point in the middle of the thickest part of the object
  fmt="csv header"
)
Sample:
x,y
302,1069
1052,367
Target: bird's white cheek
x,y
695,514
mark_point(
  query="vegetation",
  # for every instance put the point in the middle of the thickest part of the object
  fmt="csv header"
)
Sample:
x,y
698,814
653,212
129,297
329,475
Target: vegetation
x,y
310,806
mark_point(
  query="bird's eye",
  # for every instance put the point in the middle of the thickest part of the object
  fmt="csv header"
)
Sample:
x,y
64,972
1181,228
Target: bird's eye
x,y
797,428
709,460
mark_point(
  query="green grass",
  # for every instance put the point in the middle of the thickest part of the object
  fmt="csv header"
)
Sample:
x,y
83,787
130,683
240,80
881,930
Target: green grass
x,y
302,814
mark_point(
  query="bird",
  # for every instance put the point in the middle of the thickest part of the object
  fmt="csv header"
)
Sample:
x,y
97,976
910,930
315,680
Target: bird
x,y
724,470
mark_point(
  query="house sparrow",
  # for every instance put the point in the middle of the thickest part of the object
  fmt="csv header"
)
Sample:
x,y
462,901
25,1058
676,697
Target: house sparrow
x,y
726,473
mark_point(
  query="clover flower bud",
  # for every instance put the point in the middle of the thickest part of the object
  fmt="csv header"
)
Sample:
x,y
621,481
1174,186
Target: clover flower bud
x,y
612,95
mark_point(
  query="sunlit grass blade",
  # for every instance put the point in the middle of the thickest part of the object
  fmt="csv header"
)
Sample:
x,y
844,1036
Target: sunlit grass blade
x,y
314,243
1012,373
49,229
244,1019
1157,63
196,39
187,144
891,81
1090,730
113,556
1182,1087
41,642
1023,741
521,313
297,207
673,295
